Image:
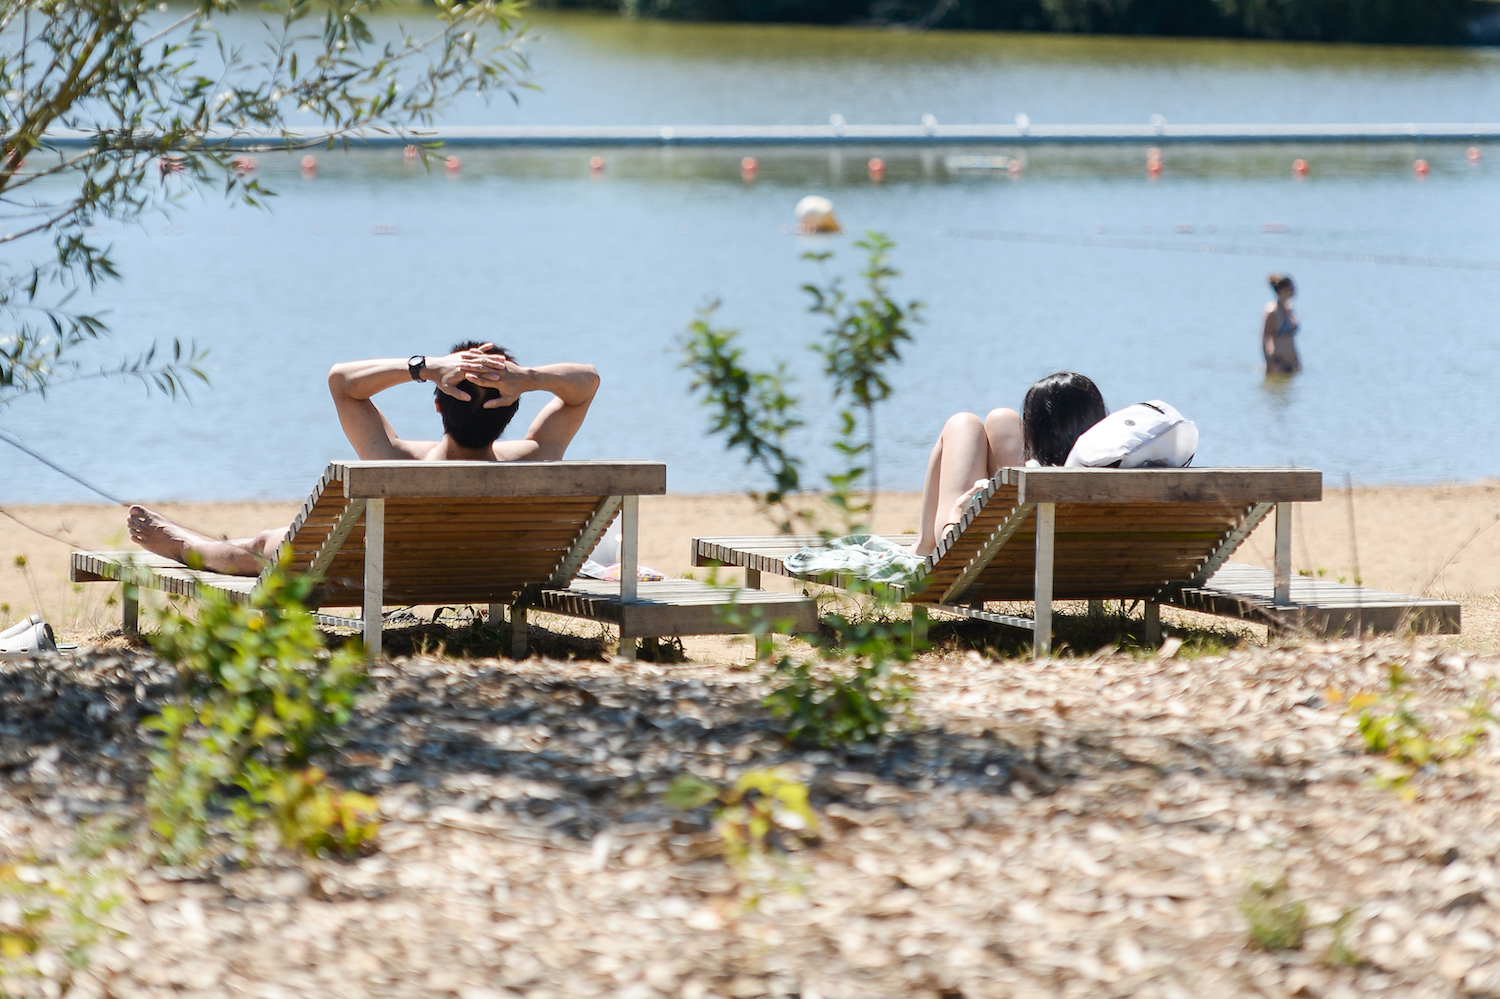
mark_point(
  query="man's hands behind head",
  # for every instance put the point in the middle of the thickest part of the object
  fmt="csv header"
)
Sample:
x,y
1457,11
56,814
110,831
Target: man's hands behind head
x,y
478,367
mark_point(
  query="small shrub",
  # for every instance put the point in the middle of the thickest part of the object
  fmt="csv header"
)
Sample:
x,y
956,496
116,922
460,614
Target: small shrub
x,y
1390,727
760,819
1274,920
50,918
856,690
316,818
1340,954
261,695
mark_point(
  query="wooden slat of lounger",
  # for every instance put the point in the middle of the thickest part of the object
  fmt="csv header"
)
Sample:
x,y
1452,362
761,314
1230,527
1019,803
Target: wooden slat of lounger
x,y
156,573
1099,550
1165,485
673,607
471,550
1319,606
459,479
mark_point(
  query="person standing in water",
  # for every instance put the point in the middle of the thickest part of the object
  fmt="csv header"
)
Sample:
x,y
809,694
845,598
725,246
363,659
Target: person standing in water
x,y
1279,332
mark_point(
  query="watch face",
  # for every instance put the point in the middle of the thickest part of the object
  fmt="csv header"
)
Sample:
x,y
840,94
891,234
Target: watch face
x,y
415,364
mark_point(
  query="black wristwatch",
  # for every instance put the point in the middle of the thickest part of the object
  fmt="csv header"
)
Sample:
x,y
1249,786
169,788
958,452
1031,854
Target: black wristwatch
x,y
415,364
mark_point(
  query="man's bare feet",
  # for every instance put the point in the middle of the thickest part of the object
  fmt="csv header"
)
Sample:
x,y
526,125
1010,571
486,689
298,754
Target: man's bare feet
x,y
159,535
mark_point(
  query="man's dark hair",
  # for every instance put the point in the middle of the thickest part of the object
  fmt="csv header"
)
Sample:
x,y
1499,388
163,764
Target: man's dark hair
x,y
1057,410
469,423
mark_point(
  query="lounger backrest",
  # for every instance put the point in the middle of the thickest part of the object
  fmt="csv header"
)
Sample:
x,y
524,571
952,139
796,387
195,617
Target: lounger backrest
x,y
1119,533
462,532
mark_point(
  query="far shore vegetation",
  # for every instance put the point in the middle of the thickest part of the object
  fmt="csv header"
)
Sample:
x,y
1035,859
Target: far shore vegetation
x,y
1413,22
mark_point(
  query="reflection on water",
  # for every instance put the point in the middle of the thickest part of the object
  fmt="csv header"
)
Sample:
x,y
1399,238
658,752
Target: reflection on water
x,y
378,257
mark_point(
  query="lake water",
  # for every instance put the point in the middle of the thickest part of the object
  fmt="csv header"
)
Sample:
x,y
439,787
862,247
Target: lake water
x,y
375,257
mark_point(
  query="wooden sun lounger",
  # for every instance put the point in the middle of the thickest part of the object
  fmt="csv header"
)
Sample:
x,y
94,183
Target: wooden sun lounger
x,y
506,534
1156,535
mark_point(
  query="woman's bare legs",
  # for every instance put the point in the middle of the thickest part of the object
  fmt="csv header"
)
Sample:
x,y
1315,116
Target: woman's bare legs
x,y
968,450
231,556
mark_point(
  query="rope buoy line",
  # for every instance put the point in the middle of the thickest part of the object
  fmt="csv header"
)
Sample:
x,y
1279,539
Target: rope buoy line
x,y
1230,249
7,438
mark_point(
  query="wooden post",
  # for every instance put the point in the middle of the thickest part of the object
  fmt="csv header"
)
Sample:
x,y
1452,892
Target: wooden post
x,y
1153,623
629,551
518,637
1283,594
130,609
374,573
1096,609
1046,522
752,579
495,617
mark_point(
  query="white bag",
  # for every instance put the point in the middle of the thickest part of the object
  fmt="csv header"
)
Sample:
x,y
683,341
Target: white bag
x,y
1146,435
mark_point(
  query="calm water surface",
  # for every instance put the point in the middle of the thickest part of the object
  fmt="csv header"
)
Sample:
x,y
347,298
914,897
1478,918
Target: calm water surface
x,y
526,248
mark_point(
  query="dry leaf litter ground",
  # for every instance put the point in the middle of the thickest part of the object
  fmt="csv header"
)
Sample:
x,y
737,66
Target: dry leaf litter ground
x,y
1072,828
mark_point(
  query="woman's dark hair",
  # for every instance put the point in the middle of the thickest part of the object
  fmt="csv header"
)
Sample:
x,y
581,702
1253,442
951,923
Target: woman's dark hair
x,y
1057,409
1279,281
469,423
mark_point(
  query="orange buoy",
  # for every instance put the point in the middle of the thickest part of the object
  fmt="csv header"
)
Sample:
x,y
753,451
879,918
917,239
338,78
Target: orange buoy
x,y
1421,168
877,169
1473,154
749,167
410,152
453,164
1014,167
1299,167
309,165
596,164
244,164
1153,161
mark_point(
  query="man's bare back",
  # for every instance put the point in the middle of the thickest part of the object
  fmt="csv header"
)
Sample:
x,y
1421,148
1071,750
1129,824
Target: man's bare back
x,y
471,433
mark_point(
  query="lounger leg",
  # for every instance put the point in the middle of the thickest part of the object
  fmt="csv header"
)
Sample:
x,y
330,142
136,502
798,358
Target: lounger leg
x,y
1283,593
918,626
518,638
752,579
1046,522
1096,609
629,547
496,617
629,562
1153,623
374,574
130,609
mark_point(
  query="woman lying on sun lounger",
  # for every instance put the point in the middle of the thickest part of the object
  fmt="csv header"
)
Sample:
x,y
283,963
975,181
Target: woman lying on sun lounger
x,y
1056,411
1064,423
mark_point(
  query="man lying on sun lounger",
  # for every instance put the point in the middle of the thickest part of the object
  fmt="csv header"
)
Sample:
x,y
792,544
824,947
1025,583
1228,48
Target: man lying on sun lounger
x,y
478,390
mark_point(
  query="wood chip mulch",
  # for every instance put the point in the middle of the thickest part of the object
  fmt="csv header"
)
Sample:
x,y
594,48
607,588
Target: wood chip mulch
x,y
1081,827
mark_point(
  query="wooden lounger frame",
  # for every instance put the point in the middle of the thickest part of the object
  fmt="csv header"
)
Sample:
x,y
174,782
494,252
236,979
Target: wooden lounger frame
x,y
1157,535
508,534
401,532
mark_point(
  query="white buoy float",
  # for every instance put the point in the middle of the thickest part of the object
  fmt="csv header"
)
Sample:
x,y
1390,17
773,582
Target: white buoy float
x,y
815,214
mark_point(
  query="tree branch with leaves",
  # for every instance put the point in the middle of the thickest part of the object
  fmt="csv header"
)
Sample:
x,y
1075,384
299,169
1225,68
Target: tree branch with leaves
x,y
158,95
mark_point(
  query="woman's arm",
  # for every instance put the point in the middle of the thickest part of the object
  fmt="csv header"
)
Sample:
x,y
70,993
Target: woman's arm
x,y
1269,328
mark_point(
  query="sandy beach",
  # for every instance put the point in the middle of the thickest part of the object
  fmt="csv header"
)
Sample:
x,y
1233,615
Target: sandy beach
x,y
1436,540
